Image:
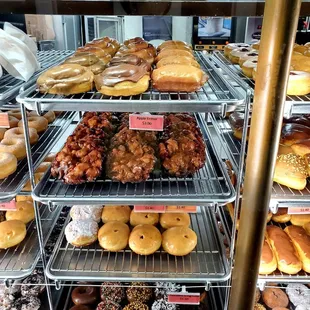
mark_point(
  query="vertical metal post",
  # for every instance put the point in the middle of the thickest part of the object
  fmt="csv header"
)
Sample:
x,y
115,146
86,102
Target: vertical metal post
x,y
36,205
278,36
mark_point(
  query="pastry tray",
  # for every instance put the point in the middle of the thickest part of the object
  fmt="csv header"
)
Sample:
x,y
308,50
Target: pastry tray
x,y
13,184
205,264
10,86
293,105
19,261
209,185
216,96
281,196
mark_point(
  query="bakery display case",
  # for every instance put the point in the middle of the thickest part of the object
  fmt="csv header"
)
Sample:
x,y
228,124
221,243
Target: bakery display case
x,y
208,167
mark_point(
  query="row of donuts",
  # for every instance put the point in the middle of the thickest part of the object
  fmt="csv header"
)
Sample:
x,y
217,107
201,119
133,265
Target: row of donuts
x,y
128,73
137,296
144,239
247,57
12,145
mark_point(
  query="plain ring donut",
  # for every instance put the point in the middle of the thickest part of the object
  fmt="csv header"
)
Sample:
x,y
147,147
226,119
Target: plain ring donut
x,y
8,164
66,80
16,113
24,212
50,115
39,123
11,233
15,146
13,121
18,132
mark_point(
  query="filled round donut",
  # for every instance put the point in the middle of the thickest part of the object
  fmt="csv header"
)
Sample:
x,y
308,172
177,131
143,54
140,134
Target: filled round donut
x,y
113,236
168,220
14,146
11,233
18,132
16,113
66,80
115,213
39,123
137,218
231,46
24,212
235,54
298,83
85,295
99,52
50,115
8,164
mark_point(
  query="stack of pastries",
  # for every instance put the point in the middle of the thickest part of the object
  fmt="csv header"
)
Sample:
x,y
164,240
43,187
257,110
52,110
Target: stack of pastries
x,y
142,236
104,140
247,57
125,70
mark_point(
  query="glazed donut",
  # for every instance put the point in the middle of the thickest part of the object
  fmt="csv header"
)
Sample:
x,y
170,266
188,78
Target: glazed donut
x,y
179,241
81,232
49,115
18,132
237,53
66,80
8,164
106,46
248,56
86,213
85,295
11,233
2,132
172,48
137,218
298,83
37,122
24,212
168,220
37,178
145,239
113,236
16,113
115,213
177,60
112,41
248,66
14,146
88,60
231,46
99,52
169,53
13,121
145,54
173,43
133,40
43,167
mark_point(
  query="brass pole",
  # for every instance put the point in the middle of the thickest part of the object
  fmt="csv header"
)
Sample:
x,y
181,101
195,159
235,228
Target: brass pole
x,y
278,37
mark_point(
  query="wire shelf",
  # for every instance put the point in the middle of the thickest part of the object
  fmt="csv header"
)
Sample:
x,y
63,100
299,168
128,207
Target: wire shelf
x,y
206,263
12,185
215,96
10,86
281,196
209,185
19,261
294,104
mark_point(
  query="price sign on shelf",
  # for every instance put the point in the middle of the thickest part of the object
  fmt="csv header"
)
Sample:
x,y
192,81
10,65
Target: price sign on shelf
x,y
8,206
155,209
178,209
146,122
298,210
184,298
4,120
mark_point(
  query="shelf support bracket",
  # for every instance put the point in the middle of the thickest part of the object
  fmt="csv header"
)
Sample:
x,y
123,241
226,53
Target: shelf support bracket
x,y
273,206
261,284
208,286
38,108
57,285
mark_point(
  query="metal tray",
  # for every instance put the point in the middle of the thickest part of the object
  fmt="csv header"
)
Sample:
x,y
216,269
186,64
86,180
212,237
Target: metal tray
x,y
205,264
12,185
10,86
209,185
293,105
281,196
19,261
217,95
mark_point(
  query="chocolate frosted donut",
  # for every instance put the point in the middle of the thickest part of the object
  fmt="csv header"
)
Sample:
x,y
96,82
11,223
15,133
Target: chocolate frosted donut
x,y
108,304
112,291
138,291
84,295
129,59
80,307
137,305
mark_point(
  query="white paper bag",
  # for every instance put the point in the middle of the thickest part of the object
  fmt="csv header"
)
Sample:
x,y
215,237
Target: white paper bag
x,y
17,33
16,58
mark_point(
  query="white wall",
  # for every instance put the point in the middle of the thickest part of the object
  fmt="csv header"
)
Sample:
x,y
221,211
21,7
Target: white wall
x,y
132,27
58,28
182,28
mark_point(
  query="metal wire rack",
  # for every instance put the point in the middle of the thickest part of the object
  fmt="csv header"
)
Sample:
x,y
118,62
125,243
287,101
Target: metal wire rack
x,y
207,262
19,261
215,96
10,86
294,104
209,185
12,185
281,195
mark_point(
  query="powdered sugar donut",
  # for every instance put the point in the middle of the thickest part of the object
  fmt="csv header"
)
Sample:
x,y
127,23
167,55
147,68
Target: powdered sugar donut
x,y
237,53
86,213
298,83
29,287
248,56
248,67
231,46
303,307
163,288
298,294
81,232
162,304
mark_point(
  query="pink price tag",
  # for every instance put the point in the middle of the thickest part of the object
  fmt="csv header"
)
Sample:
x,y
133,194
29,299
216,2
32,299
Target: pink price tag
x,y
184,298
146,122
181,209
298,210
5,206
155,209
4,120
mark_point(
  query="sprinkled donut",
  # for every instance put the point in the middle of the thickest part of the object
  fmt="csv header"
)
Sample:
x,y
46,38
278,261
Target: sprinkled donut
x,y
138,291
108,304
112,291
136,305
